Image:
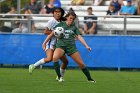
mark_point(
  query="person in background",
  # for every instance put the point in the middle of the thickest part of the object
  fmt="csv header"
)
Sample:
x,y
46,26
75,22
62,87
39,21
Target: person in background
x,y
90,24
12,11
9,25
57,3
138,8
97,2
135,2
33,7
49,7
77,2
14,23
111,10
117,4
128,9
23,26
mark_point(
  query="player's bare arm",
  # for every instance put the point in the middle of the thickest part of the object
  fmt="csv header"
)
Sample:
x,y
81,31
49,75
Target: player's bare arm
x,y
47,31
80,38
47,39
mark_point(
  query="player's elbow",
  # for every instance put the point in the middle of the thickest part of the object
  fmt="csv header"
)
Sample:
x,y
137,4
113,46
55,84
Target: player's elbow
x,y
46,33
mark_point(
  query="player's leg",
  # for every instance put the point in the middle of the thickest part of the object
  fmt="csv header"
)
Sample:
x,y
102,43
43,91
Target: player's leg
x,y
49,54
77,58
63,65
58,53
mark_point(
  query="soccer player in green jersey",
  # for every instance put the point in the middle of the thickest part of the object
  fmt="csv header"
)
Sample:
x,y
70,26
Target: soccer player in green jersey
x,y
67,45
57,18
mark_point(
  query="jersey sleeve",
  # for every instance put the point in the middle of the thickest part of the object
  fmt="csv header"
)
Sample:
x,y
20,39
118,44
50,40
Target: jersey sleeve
x,y
58,25
50,24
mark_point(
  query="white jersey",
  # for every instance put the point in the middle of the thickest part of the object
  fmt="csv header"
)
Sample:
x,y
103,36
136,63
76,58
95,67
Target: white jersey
x,y
50,25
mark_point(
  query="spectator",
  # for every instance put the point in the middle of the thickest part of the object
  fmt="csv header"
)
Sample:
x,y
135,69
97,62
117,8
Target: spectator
x,y
14,23
97,2
4,8
128,9
9,25
78,2
23,25
135,2
90,26
12,11
48,8
111,10
33,7
117,4
57,3
138,8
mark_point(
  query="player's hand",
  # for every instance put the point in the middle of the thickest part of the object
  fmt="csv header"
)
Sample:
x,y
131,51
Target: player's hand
x,y
87,32
43,46
89,48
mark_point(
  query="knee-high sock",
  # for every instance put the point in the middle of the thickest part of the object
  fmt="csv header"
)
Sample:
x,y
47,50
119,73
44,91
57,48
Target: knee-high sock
x,y
40,62
86,72
62,71
57,68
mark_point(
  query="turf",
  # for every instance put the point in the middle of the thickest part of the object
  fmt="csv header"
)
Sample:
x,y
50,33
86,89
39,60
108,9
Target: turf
x,y
17,80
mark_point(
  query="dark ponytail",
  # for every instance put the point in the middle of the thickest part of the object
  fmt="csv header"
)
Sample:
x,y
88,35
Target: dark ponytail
x,y
71,12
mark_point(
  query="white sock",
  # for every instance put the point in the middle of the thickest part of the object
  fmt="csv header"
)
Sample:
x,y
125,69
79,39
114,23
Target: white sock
x,y
40,62
62,72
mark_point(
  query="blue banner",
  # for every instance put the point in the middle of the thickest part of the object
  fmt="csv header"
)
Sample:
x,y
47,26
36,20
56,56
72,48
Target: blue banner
x,y
107,51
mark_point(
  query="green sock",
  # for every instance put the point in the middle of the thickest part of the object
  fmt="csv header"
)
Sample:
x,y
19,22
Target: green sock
x,y
86,72
57,68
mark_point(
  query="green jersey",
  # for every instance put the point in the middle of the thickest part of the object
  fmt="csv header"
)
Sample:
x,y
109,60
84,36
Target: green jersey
x,y
70,33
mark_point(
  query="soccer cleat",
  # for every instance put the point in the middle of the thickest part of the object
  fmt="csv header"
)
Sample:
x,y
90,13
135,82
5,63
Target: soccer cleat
x,y
57,78
60,79
91,80
31,68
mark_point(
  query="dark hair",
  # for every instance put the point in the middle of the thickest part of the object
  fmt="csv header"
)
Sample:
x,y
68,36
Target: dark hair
x,y
62,12
71,12
111,4
89,8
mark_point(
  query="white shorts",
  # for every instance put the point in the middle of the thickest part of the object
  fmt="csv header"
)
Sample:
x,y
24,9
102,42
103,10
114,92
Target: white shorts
x,y
50,44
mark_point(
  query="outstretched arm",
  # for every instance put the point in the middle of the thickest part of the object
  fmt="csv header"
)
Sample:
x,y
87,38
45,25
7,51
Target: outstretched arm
x,y
47,31
80,38
47,39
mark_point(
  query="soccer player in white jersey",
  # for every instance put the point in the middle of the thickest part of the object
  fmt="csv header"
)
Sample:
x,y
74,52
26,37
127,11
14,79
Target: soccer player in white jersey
x,y
57,17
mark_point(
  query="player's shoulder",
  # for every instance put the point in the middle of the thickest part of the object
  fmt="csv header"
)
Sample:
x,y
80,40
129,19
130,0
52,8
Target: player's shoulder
x,y
61,23
52,20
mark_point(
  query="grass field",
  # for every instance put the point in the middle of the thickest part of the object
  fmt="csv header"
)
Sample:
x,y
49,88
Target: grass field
x,y
17,80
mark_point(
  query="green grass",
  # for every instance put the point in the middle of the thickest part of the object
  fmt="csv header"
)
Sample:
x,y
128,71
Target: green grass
x,y
17,80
